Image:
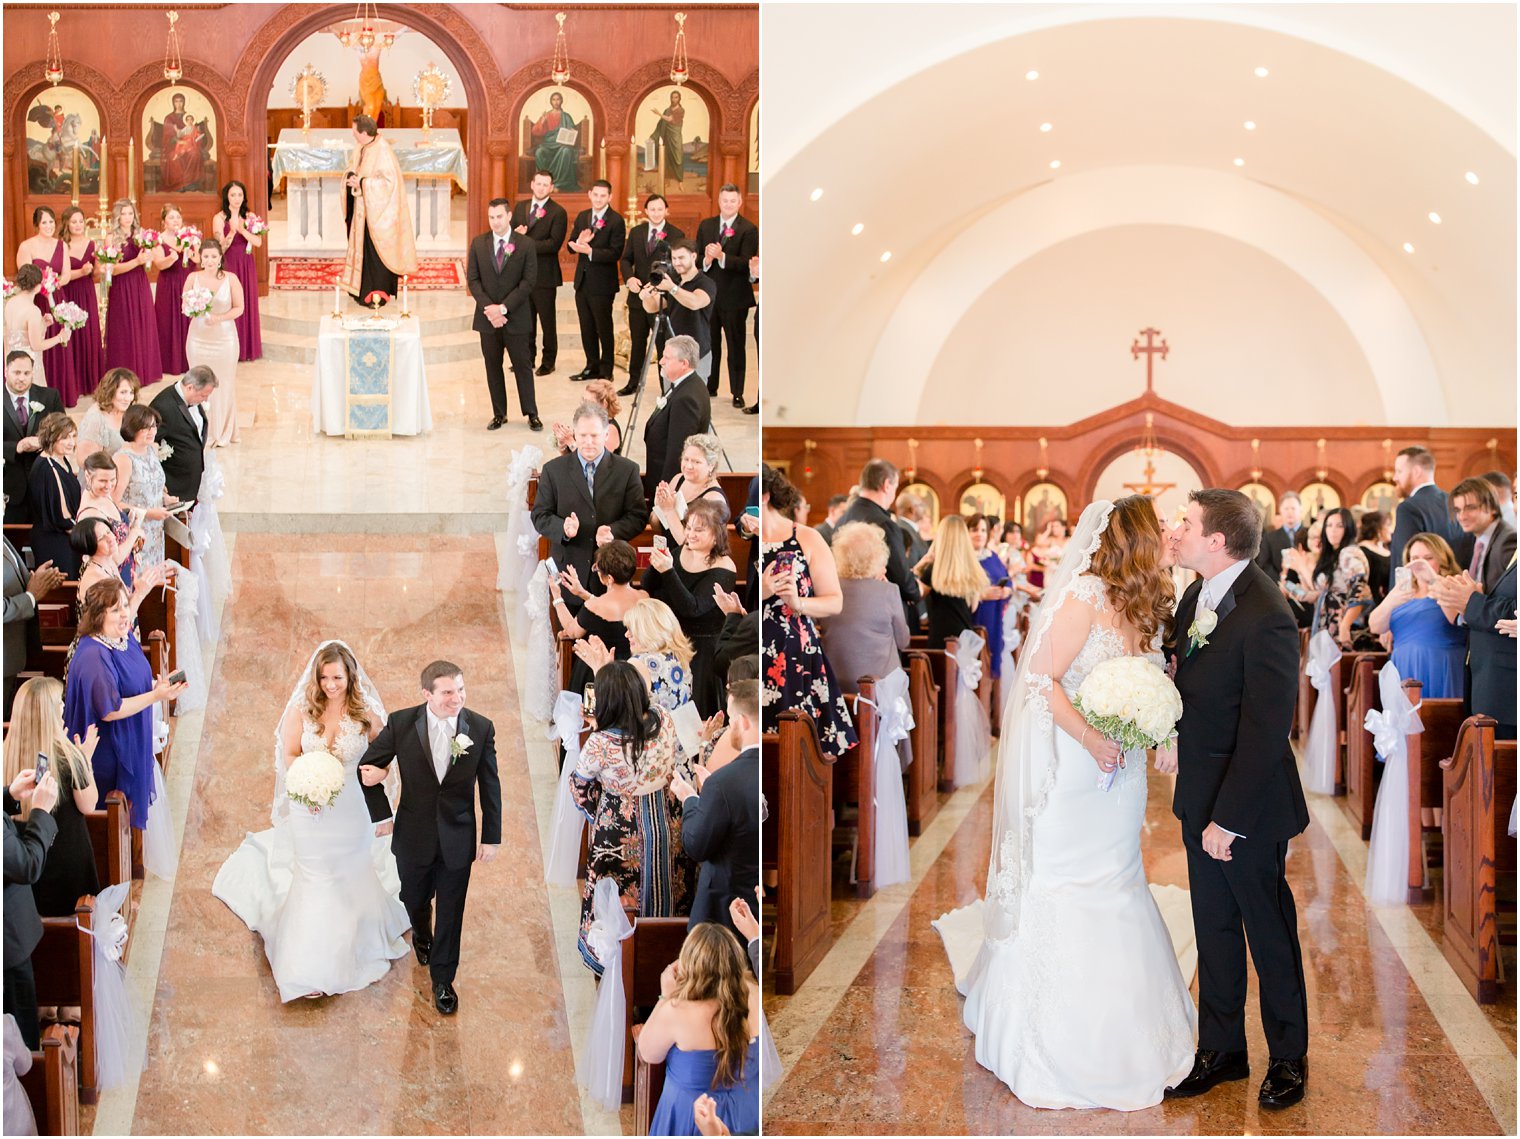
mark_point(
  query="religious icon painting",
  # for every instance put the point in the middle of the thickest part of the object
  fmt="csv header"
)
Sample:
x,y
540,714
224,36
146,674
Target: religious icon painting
x,y
673,132
1042,502
62,136
1318,497
927,494
1383,496
558,137
754,150
179,133
1262,496
982,498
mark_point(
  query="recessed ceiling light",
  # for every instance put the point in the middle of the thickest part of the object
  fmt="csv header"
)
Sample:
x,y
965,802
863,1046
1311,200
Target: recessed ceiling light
x,y
1261,73
1435,217
1250,126
1031,75
1240,162
1055,164
887,256
1045,128
857,228
1471,178
1408,248
816,194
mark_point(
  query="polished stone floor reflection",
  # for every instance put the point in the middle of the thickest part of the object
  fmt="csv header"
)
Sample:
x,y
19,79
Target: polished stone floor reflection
x,y
873,1043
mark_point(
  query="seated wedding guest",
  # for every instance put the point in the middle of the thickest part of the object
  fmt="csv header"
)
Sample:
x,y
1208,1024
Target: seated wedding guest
x,y
866,635
799,586
621,785
1476,506
657,649
1490,618
26,852
588,497
19,1119
184,425
140,480
1426,646
705,1030
111,688
698,479
720,819
36,728
955,581
98,477
53,494
100,429
602,393
23,590
837,503
1504,491
687,582
600,614
1372,536
877,493
27,404
101,557
989,613
1345,602
1048,549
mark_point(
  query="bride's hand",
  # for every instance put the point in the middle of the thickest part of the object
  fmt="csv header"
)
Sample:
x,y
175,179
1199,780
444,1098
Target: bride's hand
x,y
370,775
385,828
1105,752
1166,759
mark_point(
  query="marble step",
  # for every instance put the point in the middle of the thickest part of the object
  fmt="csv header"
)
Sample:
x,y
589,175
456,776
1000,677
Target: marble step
x,y
301,348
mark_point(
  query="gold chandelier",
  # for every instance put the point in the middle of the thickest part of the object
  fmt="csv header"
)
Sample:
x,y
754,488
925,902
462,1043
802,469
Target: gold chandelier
x,y
559,68
52,71
680,71
174,67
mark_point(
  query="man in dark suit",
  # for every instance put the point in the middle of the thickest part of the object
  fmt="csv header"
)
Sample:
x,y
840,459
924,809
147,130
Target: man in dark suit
x,y
1424,509
646,241
878,491
1280,538
588,497
26,405
837,503
726,243
599,239
443,752
26,851
1476,506
23,589
1491,654
500,276
1238,797
683,411
541,221
720,824
182,425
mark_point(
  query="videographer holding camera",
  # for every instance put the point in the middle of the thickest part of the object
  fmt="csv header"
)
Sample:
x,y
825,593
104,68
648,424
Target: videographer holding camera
x,y
647,253
685,295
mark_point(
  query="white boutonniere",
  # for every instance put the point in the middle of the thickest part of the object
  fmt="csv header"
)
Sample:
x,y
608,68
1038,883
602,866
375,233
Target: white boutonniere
x,y
458,746
164,451
659,404
1203,624
37,407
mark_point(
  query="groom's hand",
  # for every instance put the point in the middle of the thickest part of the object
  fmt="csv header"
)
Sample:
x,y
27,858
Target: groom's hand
x,y
385,828
487,852
1216,842
369,774
1166,759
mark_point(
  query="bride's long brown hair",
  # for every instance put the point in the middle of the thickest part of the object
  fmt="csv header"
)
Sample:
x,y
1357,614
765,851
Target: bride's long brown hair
x,y
316,699
1128,562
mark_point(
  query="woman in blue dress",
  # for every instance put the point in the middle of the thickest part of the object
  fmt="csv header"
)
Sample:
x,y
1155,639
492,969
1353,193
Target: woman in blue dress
x,y
705,1030
989,614
1427,645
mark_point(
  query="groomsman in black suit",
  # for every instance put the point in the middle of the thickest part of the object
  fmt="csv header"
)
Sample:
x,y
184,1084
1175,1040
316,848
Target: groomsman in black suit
x,y
182,425
726,243
1491,654
599,239
1425,509
645,241
683,411
26,405
1275,541
541,221
500,276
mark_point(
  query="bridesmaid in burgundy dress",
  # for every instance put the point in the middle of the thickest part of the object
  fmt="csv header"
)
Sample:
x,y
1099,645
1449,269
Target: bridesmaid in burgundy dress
x,y
131,327
85,345
173,324
230,227
45,250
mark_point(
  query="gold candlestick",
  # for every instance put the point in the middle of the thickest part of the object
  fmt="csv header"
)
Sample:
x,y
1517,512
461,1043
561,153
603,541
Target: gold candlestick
x,y
132,172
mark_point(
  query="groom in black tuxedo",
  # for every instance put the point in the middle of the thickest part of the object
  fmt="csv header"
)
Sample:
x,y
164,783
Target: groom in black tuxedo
x,y
443,751
1238,797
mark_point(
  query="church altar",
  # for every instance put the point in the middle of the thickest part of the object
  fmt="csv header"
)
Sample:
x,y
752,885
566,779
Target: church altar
x,y
370,382
315,163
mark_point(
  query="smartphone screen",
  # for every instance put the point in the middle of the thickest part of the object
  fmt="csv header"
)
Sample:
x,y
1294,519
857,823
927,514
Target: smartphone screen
x,y
43,763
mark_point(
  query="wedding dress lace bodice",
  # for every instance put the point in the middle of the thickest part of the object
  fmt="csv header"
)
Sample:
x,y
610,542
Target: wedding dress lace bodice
x,y
349,745
1104,642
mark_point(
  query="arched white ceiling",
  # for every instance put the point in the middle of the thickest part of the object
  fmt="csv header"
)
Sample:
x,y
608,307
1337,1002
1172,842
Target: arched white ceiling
x,y
1332,264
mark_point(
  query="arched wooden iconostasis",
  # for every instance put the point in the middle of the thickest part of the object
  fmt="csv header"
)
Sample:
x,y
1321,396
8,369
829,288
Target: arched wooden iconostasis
x,y
499,54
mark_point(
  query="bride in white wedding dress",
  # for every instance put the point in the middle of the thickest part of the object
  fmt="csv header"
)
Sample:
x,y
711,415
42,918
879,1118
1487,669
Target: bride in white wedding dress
x,y
1072,981
322,889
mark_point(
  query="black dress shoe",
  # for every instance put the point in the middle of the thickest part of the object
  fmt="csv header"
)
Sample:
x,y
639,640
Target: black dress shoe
x,y
738,401
628,389
1210,1068
496,422
535,423
753,409
582,375
445,999
545,370
422,949
1285,1082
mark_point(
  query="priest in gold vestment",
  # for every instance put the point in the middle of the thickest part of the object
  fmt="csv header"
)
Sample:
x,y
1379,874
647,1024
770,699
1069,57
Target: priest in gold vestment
x,y
381,245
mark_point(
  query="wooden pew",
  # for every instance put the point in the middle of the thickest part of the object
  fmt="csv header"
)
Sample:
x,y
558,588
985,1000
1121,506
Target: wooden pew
x,y
795,842
1478,878
923,773
654,944
64,964
111,836
855,782
1442,719
945,675
52,1084
1361,760
648,1083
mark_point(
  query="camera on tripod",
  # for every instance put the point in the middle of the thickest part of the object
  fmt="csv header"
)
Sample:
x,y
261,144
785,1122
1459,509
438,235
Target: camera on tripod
x,y
659,264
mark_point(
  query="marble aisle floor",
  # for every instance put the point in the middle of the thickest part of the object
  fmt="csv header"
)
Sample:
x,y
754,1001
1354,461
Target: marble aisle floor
x,y
874,1042
224,1055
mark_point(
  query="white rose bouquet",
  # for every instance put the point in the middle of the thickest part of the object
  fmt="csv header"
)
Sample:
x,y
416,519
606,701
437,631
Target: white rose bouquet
x,y
195,302
1132,702
314,780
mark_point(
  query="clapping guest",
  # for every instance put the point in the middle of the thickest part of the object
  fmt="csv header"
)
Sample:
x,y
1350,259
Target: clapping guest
x,y
688,582
131,325
100,429
168,295
1048,549
956,581
865,637
989,614
26,853
1477,509
602,393
102,558
1490,618
620,783
698,479
23,589
53,493
230,227
599,615
660,652
36,728
1345,602
86,351
1504,491
98,480
1426,646
1372,536
140,480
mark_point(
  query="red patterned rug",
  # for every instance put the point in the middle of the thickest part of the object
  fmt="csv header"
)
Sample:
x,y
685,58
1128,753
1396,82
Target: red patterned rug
x,y
313,273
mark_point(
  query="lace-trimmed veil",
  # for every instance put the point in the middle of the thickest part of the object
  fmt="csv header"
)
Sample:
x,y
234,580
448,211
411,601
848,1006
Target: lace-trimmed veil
x,y
1026,769
279,810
